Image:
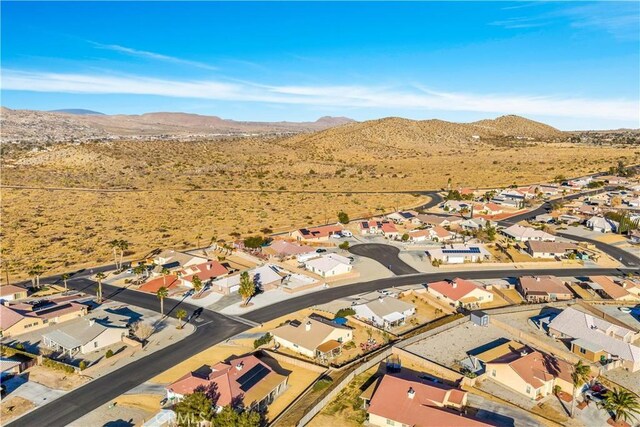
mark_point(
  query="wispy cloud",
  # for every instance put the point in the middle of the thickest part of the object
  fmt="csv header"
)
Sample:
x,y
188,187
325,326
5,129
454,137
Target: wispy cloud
x,y
153,55
620,19
344,96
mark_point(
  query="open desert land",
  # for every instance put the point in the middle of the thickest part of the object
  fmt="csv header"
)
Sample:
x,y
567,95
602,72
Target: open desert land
x,y
186,194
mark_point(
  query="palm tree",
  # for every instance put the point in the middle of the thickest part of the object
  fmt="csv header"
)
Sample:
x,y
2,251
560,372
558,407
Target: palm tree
x,y
622,403
64,278
99,278
197,283
123,245
581,374
165,272
138,270
162,293
181,314
35,273
115,244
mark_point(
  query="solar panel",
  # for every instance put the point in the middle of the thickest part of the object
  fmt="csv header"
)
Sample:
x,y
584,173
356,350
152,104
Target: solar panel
x,y
252,377
365,225
461,251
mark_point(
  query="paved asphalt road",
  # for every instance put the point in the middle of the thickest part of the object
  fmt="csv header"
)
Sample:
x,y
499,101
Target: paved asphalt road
x,y
386,255
211,328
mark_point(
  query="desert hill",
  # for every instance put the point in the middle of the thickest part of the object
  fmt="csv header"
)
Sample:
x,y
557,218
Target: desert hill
x,y
67,126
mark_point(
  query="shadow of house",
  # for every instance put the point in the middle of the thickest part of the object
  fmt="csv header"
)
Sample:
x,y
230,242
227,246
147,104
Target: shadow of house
x,y
133,316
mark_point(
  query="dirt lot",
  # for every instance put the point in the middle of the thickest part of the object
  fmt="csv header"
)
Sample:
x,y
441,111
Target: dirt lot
x,y
13,407
55,379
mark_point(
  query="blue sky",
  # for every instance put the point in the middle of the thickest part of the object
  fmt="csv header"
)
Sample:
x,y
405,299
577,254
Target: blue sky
x,y
574,65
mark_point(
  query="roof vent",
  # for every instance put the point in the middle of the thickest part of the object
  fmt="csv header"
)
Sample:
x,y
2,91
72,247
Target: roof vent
x,y
239,366
411,393
537,279
523,353
454,284
307,326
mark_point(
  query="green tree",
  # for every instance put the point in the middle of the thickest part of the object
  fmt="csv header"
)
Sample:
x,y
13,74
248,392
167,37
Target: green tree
x,y
123,245
622,403
581,374
344,245
180,315
138,270
343,218
254,242
115,247
490,232
230,417
247,287
162,293
99,277
194,408
64,278
405,237
558,179
197,283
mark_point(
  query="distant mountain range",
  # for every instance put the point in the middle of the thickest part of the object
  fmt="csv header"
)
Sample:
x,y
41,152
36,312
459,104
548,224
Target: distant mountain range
x,y
86,125
78,111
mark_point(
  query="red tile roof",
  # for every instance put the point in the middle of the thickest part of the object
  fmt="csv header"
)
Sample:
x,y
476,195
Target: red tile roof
x,y
152,286
224,375
612,289
455,289
205,271
391,400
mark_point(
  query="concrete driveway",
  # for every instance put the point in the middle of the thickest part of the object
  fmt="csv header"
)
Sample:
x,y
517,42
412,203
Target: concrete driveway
x,y
499,414
35,392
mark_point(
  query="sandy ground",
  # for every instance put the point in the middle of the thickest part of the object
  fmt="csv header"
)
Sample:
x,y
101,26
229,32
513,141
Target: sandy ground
x,y
55,379
12,407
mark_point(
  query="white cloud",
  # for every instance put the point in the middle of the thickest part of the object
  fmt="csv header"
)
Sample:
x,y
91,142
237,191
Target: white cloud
x,y
401,99
153,55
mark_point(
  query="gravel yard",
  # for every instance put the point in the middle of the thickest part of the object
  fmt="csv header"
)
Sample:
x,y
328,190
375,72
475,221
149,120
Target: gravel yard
x,y
448,348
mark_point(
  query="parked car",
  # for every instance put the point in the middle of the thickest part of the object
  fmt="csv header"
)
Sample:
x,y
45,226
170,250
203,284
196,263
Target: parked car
x,y
320,250
625,309
594,396
337,236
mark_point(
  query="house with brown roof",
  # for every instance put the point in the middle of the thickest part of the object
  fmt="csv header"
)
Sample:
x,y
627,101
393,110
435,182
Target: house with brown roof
x,y
169,281
460,292
243,382
206,271
543,289
609,289
444,221
538,249
24,317
317,233
313,337
282,249
12,292
526,371
394,400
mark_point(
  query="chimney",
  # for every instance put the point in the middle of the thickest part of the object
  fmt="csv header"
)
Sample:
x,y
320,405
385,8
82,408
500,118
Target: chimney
x,y
454,284
538,279
239,366
92,321
208,266
523,353
411,393
307,326
381,299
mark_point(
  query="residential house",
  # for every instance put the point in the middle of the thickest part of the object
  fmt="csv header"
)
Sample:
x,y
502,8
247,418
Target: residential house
x,y
609,289
226,285
169,281
329,265
596,339
539,249
206,271
457,206
24,317
588,209
83,337
458,254
569,219
525,234
385,312
313,337
632,286
389,230
174,260
512,198
443,221
544,218
417,236
543,289
370,227
240,382
396,401
282,249
530,373
488,208
12,293
460,292
267,277
402,216
317,233
477,223
602,224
